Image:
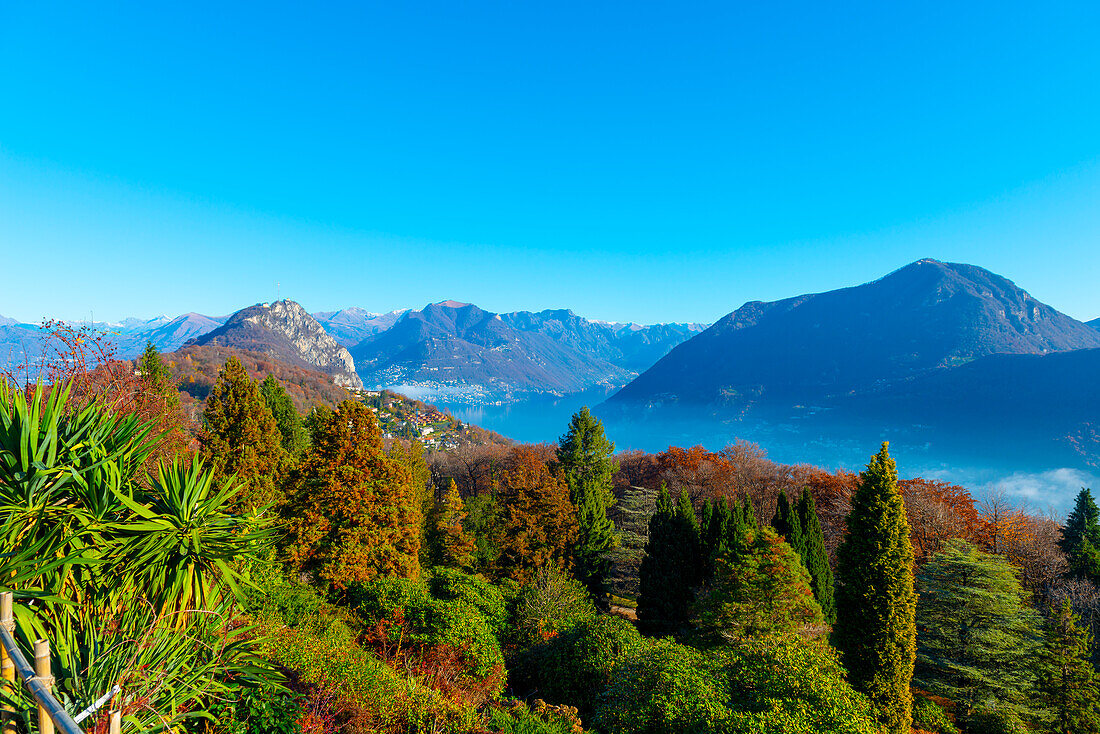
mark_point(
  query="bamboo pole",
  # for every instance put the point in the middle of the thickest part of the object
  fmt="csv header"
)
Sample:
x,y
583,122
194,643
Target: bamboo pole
x,y
116,722
42,672
7,666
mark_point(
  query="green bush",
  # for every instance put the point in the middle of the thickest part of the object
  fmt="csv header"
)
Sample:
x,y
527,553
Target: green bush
x,y
448,584
930,716
576,666
551,603
544,719
431,622
775,686
262,710
995,721
661,688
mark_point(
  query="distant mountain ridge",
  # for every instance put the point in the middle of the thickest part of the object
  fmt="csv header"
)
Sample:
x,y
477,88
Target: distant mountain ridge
x,y
1095,323
285,331
349,326
459,345
810,348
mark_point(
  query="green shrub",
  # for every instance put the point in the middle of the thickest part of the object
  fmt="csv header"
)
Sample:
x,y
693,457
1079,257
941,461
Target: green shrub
x,y
448,584
551,603
930,716
262,710
995,721
544,719
405,613
661,688
576,666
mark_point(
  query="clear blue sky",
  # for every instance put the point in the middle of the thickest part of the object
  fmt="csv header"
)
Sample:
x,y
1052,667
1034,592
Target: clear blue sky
x,y
632,161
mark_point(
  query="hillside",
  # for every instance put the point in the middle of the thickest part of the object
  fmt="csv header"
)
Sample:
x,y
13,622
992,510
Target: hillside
x,y
1095,323
285,331
459,344
811,348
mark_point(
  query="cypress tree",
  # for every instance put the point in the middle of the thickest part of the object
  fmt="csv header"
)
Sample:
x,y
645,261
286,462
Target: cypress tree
x,y
815,557
585,457
875,599
157,375
977,634
294,439
240,436
748,515
670,569
1067,684
715,535
787,524
1081,538
448,542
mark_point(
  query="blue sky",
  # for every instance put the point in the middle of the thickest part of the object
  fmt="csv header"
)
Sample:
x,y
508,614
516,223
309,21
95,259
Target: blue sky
x,y
632,161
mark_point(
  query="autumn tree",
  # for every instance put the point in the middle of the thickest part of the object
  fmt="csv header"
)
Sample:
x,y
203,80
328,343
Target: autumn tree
x,y
1081,538
448,542
875,600
762,590
585,457
353,512
670,569
814,556
287,419
977,633
538,525
1067,684
240,436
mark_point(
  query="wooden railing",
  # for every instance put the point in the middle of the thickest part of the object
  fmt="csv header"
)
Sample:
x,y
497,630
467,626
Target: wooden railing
x,y
38,680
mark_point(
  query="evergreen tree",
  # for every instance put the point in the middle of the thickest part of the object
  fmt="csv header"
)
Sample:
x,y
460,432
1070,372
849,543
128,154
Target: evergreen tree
x,y
294,439
1067,683
715,533
762,591
1081,538
538,525
977,633
875,599
448,542
787,523
157,374
240,436
670,568
353,513
585,457
748,515
815,557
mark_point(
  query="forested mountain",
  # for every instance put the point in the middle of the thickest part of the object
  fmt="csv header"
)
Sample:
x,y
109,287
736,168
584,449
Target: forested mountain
x,y
1095,323
285,331
812,348
349,326
451,343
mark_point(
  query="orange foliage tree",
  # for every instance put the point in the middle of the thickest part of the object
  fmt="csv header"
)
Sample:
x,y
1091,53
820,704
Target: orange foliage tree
x,y
538,522
353,512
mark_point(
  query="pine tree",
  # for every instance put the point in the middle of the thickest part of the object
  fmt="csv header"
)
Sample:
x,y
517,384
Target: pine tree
x,y
875,599
240,436
816,558
353,513
1067,682
787,523
293,434
977,633
585,457
158,375
538,526
449,544
764,590
1081,538
670,569
715,541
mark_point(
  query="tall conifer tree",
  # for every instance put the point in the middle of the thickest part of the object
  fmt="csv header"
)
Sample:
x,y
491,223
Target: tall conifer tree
x,y
1068,685
586,459
670,569
815,557
1081,538
240,436
287,418
875,599
787,524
